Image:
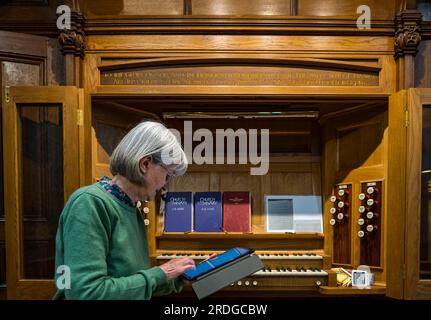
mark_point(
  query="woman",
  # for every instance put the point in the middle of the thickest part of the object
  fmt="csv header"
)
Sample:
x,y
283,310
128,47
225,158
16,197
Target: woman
x,y
102,233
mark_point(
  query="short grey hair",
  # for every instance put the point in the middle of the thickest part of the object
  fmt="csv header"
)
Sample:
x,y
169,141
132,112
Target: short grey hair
x,y
148,138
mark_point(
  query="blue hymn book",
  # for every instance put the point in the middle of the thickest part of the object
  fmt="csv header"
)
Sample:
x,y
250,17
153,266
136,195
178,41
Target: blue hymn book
x,y
178,212
208,212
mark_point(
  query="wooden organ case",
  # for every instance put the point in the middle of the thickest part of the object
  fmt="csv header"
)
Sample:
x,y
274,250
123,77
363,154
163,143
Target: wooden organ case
x,y
329,99
333,147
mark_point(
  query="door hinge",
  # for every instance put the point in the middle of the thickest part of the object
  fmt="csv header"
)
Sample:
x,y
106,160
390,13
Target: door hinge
x,y
7,94
406,118
403,272
80,118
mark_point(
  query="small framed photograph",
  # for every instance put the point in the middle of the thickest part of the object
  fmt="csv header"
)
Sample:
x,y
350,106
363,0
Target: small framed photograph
x,y
360,278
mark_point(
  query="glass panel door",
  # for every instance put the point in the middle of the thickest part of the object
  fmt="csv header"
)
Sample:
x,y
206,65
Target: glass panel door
x,y
425,242
417,281
40,149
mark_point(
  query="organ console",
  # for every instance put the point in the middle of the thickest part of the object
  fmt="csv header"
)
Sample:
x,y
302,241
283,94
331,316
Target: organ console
x,y
286,270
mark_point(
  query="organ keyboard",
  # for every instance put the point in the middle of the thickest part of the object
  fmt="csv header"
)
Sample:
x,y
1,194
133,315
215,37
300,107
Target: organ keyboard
x,y
262,256
284,270
288,271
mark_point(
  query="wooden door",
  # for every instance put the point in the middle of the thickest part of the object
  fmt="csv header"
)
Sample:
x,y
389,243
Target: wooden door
x,y
25,63
41,170
418,196
395,196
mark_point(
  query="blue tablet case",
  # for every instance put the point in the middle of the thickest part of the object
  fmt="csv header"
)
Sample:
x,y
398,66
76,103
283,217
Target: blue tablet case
x,y
220,260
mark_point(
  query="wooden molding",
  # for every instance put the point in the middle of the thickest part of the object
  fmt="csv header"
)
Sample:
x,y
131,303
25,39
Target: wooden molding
x,y
233,25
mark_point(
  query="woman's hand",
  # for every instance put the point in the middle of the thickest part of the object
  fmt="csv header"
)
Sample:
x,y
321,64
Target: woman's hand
x,y
175,267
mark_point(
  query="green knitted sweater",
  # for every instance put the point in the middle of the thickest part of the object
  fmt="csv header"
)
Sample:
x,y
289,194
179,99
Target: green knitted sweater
x,y
104,243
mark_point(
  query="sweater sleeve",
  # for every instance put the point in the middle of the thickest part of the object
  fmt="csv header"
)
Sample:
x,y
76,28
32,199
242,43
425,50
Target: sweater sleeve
x,y
175,285
86,230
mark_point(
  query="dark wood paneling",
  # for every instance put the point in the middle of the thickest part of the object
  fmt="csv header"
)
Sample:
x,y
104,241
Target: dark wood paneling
x,y
27,2
423,65
25,10
1,170
55,66
22,44
42,192
39,259
2,262
424,6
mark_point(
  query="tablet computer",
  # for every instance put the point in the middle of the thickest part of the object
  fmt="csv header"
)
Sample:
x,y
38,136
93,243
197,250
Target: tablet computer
x,y
218,261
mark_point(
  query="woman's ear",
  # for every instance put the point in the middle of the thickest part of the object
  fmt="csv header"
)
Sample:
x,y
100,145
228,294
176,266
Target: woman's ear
x,y
145,163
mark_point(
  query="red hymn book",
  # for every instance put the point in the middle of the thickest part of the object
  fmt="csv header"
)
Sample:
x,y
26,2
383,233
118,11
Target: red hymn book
x,y
236,212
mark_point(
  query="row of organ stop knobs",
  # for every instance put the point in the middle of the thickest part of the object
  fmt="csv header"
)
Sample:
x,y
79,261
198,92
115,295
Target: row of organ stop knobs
x,y
367,209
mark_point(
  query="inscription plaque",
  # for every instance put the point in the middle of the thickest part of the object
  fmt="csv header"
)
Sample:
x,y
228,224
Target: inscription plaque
x,y
239,76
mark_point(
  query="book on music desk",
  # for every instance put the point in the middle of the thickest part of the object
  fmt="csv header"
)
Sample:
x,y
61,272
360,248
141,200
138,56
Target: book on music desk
x,y
208,212
236,212
178,212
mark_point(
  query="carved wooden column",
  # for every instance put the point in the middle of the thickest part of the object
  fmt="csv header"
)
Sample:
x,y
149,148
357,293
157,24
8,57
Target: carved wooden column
x,y
73,43
407,38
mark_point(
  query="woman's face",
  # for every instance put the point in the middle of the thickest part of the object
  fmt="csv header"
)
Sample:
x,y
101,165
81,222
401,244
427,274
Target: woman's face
x,y
156,176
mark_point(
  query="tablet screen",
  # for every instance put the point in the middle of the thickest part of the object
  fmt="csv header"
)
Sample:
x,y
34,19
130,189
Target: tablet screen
x,y
217,261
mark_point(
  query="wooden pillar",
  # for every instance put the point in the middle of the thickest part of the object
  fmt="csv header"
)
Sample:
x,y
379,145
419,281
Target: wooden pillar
x,y
73,43
407,39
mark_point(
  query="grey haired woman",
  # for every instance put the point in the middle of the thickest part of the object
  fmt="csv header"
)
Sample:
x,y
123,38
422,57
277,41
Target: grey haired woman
x,y
101,237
